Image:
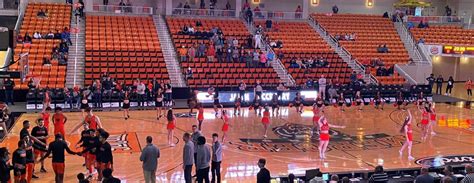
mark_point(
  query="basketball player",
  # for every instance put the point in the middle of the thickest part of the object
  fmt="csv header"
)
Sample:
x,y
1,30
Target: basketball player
x,y
425,112
266,121
432,119
225,126
126,106
92,120
298,103
358,100
170,127
41,133
19,162
378,101
237,106
59,120
57,148
83,140
28,147
200,116
341,101
275,105
104,154
407,130
45,116
90,144
159,104
324,135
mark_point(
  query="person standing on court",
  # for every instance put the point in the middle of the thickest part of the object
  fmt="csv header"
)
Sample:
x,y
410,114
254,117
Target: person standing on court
x,y
439,84
216,159
149,157
322,86
263,176
188,157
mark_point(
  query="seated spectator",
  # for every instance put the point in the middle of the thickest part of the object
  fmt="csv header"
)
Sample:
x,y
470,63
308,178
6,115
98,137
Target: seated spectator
x,y
27,38
50,35
280,55
185,30
54,49
55,56
235,54
300,63
66,36
379,176
270,56
19,38
235,42
410,25
347,37
186,6
46,62
279,44
189,73
309,83
385,48
352,37
421,41
423,25
41,13
272,44
62,59
268,25
385,15
353,76
310,63
198,23
63,47
293,63
57,35
37,35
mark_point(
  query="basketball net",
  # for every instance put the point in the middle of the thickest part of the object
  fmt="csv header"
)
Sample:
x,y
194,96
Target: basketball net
x,y
36,79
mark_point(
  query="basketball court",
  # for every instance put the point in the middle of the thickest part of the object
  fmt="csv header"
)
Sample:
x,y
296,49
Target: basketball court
x,y
371,137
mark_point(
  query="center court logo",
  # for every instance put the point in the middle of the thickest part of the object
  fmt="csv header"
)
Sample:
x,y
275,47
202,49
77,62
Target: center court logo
x,y
452,160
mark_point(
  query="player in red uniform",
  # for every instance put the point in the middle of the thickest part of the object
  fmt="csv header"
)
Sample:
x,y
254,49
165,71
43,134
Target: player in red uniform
x,y
425,115
200,116
407,129
324,135
59,120
318,107
432,119
266,121
92,120
225,126
45,116
170,126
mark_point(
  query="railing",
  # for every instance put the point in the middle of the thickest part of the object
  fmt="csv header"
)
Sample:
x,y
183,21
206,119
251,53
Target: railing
x,y
276,60
203,12
404,74
436,19
277,15
419,51
139,10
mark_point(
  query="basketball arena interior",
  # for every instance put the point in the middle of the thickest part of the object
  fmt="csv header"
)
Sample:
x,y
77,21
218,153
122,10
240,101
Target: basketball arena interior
x,y
231,91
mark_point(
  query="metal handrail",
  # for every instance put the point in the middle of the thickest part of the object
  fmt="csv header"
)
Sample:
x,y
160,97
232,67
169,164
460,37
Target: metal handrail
x,y
21,15
436,19
284,15
203,12
417,49
139,10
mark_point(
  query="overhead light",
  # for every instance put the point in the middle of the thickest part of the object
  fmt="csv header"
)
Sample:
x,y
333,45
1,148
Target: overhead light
x,y
315,2
370,3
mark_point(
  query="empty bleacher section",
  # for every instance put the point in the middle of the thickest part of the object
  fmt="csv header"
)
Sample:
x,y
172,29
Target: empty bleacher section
x,y
126,47
57,18
301,42
215,73
371,31
444,35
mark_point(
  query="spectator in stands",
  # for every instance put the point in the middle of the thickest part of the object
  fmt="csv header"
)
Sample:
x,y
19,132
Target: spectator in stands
x,y
19,39
309,83
220,55
27,38
198,23
300,63
201,50
37,35
183,52
270,57
46,62
211,53
191,30
385,15
228,6
469,178
293,63
189,73
318,178
279,44
63,47
379,176
255,58
228,54
187,7
298,12
202,5
248,59
439,84
272,44
257,11
345,180
353,76
122,6
346,37
268,25
9,85
258,40
280,55
448,172
424,177
235,54
421,41
263,59
129,6
263,176
352,36
50,35
57,35
322,86
105,2
191,53
423,25
41,13
448,10
249,41
335,9
334,179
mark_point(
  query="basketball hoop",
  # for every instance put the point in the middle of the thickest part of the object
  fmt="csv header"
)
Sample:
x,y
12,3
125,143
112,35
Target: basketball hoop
x,y
36,79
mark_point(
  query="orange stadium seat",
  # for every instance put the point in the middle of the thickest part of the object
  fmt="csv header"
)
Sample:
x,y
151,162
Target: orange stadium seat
x,y
218,74
371,31
126,47
445,35
301,41
59,16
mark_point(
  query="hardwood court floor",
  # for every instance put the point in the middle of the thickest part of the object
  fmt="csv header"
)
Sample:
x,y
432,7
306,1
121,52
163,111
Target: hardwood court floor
x,y
372,137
